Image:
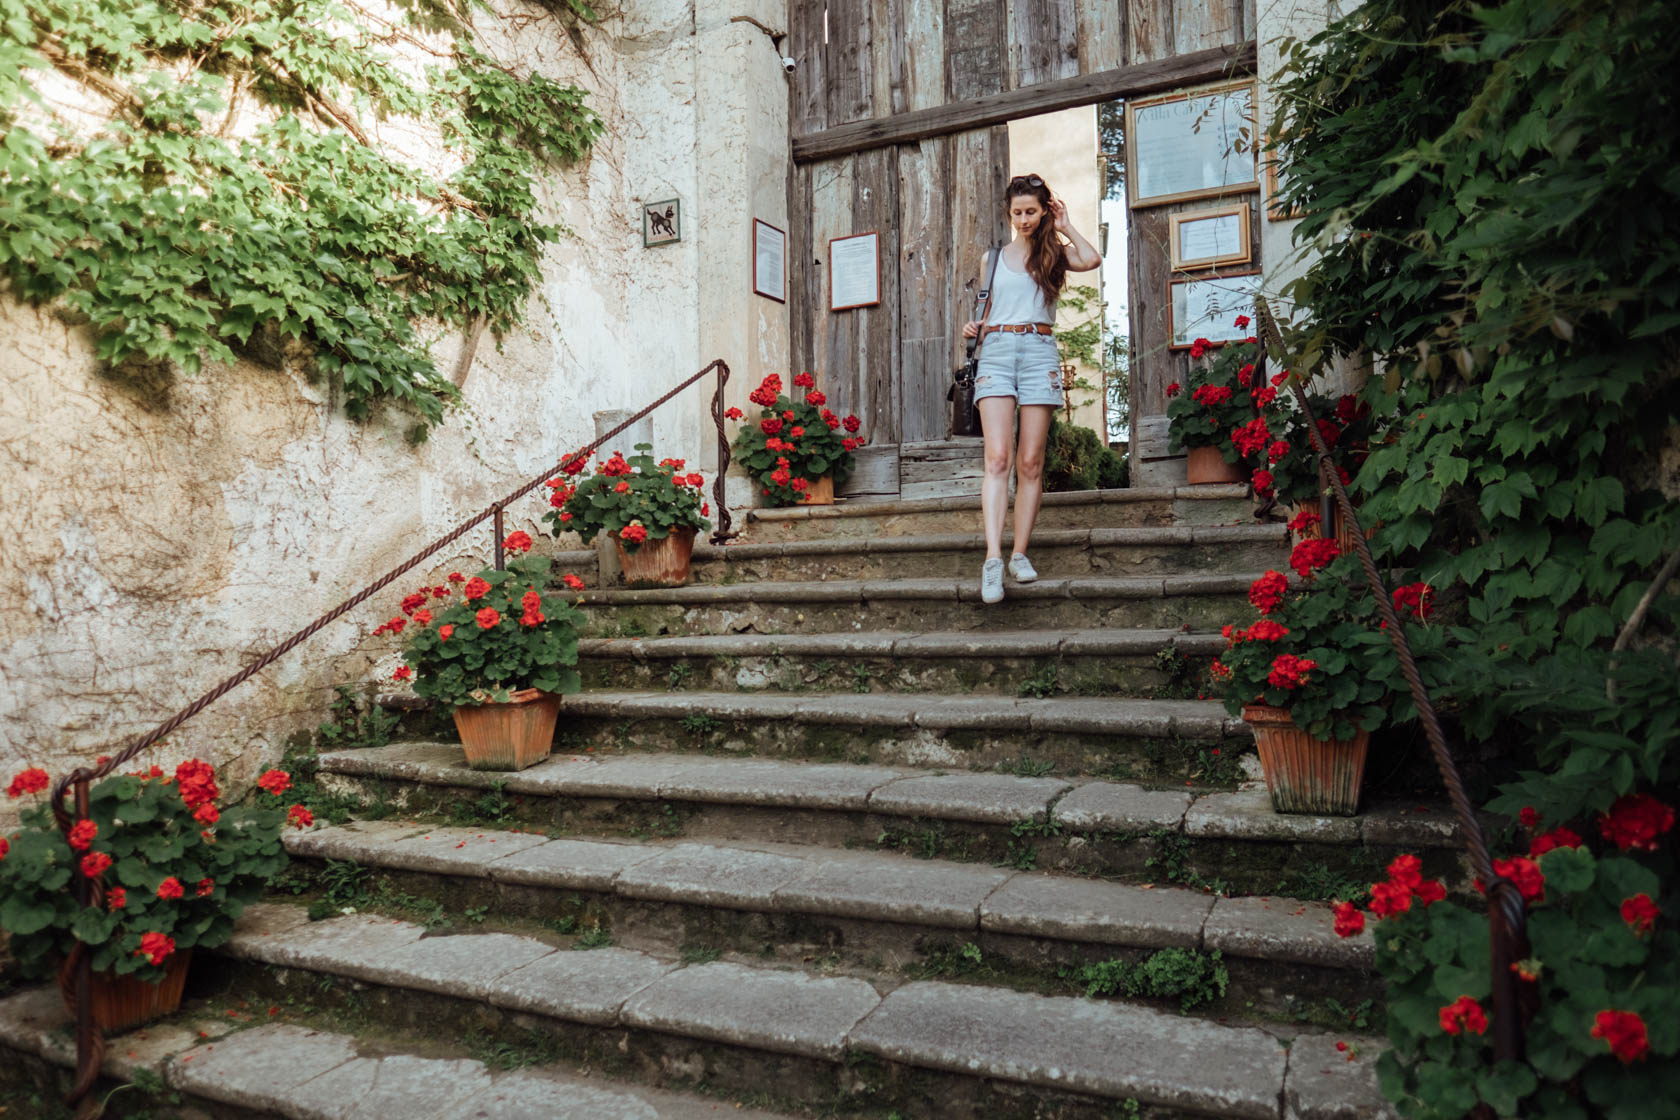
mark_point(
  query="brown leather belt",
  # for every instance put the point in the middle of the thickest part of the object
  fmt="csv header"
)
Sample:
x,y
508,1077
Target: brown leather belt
x,y
1018,328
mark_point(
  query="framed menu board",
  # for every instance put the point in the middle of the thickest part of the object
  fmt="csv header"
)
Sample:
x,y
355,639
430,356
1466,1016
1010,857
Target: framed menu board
x,y
1208,306
1195,144
1199,238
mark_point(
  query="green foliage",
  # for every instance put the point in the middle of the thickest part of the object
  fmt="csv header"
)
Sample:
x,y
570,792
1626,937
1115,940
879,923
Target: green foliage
x,y
789,442
1220,396
187,877
458,660
624,492
1492,193
1188,975
233,199
1076,458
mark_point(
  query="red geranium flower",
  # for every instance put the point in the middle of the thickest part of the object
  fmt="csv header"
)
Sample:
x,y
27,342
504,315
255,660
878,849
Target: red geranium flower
x,y
116,898
622,487
1290,672
1522,871
1313,554
852,424
572,581
445,631
197,781
635,532
414,602
1414,598
1241,321
815,399
1635,821
518,541
207,814
616,465
403,673
1305,520
300,817
1263,482
275,782
488,618
95,864
1267,591
422,618
1640,913
1350,920
1624,1031
1200,346
1252,436
770,425
205,887
733,414
1464,1014
801,484
1172,388
1529,817
476,588
804,381
1211,395
457,577
156,946
1559,837
1265,630
170,889
32,780
696,480
83,834
5,847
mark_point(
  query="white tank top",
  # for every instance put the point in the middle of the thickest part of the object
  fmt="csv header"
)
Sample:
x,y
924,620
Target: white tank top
x,y
1016,298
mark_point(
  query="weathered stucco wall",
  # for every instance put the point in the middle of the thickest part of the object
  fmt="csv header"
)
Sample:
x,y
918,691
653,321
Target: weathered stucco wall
x,y
159,536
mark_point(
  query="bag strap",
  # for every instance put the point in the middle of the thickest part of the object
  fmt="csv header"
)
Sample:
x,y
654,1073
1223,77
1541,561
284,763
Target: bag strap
x,y
983,298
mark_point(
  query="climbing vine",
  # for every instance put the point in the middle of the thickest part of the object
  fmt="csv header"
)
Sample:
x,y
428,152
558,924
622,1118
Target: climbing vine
x,y
231,188
1493,196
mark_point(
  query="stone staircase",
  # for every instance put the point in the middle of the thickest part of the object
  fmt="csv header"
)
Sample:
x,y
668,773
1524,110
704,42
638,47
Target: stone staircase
x,y
838,840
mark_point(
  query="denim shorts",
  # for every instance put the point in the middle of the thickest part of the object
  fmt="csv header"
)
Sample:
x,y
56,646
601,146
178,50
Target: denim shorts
x,y
1027,367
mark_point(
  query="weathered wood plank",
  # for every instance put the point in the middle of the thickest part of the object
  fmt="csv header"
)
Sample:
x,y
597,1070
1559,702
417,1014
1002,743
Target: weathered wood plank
x,y
923,39
926,307
1102,36
887,61
875,207
808,92
849,65
1043,41
976,56
966,114
874,474
1149,28
979,171
1199,24
833,335
804,279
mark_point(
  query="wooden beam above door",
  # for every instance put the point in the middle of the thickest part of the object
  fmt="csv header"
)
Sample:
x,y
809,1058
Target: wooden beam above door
x,y
1138,80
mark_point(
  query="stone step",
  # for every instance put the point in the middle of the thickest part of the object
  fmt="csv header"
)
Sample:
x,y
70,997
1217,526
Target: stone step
x,y
1084,509
1233,841
1136,551
225,1067
939,1051
1101,662
1151,740
882,915
1199,601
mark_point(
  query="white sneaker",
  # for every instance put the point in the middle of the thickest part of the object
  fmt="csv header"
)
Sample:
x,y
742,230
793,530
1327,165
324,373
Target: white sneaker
x,y
991,582
1021,569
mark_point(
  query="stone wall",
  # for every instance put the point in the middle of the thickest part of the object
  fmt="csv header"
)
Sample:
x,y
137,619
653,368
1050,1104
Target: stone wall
x,y
162,532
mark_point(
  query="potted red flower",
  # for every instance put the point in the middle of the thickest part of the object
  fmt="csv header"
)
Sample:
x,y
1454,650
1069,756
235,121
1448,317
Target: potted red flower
x,y
795,449
1205,416
498,650
651,510
168,869
1315,674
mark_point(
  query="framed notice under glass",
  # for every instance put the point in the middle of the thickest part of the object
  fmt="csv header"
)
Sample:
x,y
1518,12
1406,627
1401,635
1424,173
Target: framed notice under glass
x,y
1208,306
769,261
854,271
1204,238
1195,144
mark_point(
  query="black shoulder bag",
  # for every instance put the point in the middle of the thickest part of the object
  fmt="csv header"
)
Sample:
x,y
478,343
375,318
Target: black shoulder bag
x,y
965,417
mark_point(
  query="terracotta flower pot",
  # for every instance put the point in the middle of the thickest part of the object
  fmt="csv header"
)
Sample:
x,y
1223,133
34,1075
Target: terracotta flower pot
x,y
1206,464
657,563
509,736
1304,774
123,1002
821,492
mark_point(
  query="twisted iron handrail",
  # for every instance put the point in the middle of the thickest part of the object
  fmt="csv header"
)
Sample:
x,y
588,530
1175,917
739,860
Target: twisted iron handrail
x,y
1507,915
76,975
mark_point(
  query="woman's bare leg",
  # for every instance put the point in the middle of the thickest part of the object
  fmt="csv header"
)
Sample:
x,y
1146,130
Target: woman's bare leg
x,y
1029,469
997,421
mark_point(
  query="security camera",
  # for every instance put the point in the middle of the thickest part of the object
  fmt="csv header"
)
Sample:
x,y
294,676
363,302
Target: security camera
x,y
788,64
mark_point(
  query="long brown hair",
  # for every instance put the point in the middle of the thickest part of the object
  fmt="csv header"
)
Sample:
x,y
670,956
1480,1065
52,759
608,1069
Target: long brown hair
x,y
1046,259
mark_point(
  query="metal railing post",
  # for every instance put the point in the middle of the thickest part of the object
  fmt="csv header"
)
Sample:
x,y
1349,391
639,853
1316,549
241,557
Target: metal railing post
x,y
496,528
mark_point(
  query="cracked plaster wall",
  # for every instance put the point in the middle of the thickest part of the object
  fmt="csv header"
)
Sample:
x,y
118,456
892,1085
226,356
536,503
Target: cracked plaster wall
x,y
160,536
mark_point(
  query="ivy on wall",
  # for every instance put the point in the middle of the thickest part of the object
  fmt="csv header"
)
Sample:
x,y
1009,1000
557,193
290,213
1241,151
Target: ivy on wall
x,y
235,191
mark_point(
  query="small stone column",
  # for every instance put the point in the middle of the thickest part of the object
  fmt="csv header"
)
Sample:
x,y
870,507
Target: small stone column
x,y
606,552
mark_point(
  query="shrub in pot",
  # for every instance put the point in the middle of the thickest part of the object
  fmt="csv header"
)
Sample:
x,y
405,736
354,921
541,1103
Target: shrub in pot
x,y
794,449
651,510
169,871
1218,401
498,649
